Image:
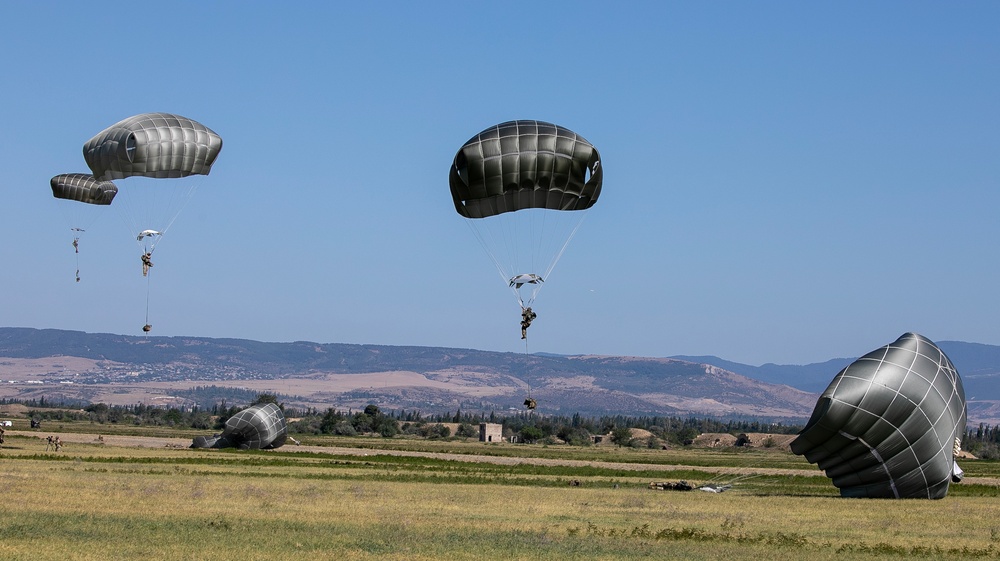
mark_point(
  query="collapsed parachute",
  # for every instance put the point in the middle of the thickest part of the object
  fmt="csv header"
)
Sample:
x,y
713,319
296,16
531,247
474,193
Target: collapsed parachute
x,y
82,187
78,188
157,146
890,424
514,182
258,427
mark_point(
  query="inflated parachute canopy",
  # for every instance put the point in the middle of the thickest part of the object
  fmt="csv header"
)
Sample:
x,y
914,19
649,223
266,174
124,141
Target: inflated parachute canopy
x,y
258,427
157,145
84,188
525,164
890,424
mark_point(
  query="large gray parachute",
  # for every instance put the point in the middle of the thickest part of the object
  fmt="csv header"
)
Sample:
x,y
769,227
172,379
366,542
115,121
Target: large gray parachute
x,y
158,145
258,427
525,164
890,424
82,187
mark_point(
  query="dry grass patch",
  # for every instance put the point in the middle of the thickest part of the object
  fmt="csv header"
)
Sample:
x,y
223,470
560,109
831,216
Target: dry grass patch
x,y
257,506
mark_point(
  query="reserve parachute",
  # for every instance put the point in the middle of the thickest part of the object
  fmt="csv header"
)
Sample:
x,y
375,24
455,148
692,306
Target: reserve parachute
x,y
890,424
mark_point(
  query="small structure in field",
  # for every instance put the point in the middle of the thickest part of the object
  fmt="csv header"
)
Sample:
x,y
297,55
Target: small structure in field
x,y
490,432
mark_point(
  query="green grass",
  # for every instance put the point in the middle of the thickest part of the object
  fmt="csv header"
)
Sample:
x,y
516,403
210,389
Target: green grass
x,y
101,502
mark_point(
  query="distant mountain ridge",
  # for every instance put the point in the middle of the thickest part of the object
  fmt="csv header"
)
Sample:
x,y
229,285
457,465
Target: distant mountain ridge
x,y
808,377
978,365
427,378
436,378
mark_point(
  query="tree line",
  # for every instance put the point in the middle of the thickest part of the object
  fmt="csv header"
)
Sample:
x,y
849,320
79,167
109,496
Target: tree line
x,y
524,426
982,441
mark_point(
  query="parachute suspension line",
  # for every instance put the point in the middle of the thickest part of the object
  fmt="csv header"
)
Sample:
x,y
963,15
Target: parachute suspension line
x,y
76,247
148,282
528,241
529,402
486,247
187,198
144,204
548,272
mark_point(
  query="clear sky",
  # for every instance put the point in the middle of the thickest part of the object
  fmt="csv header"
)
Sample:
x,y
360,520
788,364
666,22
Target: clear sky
x,y
784,181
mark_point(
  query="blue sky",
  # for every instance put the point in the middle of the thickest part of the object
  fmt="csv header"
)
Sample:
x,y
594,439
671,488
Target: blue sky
x,y
784,181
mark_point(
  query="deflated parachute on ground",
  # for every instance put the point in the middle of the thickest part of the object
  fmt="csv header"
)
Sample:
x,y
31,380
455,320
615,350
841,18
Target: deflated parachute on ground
x,y
157,145
258,427
83,188
890,424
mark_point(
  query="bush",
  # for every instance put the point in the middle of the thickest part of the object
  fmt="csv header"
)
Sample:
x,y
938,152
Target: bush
x,y
531,434
344,428
621,436
438,431
986,451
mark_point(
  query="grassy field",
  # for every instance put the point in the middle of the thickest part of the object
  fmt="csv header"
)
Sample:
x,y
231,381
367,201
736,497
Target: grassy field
x,y
92,501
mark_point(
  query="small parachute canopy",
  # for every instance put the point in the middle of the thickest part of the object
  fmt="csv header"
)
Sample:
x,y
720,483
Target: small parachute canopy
x,y
528,278
84,188
890,424
147,234
525,164
258,427
159,145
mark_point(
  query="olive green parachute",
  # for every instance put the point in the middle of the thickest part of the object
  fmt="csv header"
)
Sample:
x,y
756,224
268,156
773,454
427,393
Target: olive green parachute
x,y
890,424
82,187
258,427
516,183
525,164
144,150
159,145
85,199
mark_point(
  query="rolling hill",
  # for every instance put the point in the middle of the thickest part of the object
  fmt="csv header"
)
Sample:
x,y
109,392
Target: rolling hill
x,y
187,371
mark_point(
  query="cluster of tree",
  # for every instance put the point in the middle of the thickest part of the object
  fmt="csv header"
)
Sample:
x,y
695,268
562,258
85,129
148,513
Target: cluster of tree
x,y
529,427
983,441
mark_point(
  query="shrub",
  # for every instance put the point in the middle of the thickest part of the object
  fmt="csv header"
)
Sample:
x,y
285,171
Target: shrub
x,y
466,430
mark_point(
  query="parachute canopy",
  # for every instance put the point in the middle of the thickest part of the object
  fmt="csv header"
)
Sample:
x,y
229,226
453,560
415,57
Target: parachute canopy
x,y
518,281
514,181
890,424
258,427
84,188
158,145
525,164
